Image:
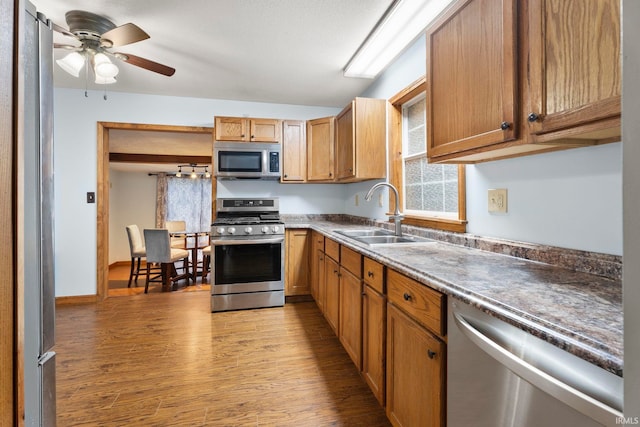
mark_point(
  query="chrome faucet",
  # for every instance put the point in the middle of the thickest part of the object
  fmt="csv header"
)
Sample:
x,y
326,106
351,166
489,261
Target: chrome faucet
x,y
397,216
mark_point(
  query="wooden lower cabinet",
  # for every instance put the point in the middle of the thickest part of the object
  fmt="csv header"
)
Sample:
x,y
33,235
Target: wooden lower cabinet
x,y
415,373
317,267
297,277
374,321
332,293
351,315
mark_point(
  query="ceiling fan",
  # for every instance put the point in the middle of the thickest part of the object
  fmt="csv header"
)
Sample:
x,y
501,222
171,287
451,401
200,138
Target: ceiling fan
x,y
97,36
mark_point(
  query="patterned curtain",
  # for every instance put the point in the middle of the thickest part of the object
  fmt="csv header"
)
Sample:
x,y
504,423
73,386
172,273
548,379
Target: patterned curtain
x,y
189,200
161,200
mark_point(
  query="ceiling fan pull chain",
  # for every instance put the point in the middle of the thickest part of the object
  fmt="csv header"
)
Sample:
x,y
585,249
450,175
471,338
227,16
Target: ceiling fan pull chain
x,y
86,75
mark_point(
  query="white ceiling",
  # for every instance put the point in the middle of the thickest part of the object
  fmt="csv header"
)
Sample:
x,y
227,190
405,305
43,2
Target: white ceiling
x,y
276,51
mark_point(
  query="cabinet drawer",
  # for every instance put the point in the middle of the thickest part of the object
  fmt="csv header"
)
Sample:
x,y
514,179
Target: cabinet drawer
x,y
373,274
318,242
424,304
332,249
351,260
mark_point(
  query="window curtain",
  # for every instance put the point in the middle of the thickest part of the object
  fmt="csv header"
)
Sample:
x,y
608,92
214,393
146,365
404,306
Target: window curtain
x,y
161,200
188,200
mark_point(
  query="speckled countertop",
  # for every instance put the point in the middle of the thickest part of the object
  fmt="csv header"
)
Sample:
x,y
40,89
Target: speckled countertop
x,y
578,312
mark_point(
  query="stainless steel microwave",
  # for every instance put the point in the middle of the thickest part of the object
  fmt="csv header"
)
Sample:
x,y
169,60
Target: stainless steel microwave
x,y
246,160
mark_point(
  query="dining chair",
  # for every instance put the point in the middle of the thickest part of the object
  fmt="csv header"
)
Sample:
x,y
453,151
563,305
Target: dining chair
x,y
138,251
159,251
176,227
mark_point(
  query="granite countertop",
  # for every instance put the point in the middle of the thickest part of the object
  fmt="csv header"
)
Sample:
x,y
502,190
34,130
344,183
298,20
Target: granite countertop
x,y
578,312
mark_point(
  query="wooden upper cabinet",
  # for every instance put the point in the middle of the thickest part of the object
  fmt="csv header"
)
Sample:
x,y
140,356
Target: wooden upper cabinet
x,y
575,67
471,77
361,140
265,130
248,130
548,71
294,151
320,146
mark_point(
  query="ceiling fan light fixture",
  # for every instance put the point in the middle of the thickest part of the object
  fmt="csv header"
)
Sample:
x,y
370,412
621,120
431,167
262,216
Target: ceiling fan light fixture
x,y
104,68
105,80
72,63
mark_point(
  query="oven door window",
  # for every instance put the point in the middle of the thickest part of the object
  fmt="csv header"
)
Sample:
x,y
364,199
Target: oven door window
x,y
240,161
247,263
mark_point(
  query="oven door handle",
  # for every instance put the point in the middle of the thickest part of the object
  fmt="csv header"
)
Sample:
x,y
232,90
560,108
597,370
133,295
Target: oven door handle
x,y
221,242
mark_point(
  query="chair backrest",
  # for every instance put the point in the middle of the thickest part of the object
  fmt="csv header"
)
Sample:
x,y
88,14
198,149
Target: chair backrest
x,y
174,226
157,244
136,245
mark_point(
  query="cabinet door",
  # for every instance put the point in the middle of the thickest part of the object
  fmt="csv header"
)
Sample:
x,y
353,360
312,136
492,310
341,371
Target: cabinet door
x,y
351,315
575,63
332,293
320,138
415,373
471,77
297,278
345,141
266,130
374,321
294,151
317,278
232,129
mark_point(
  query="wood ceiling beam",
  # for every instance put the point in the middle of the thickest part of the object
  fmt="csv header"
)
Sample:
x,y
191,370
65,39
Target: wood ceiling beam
x,y
157,158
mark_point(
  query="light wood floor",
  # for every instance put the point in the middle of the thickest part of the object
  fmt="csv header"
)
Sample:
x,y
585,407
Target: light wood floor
x,y
162,359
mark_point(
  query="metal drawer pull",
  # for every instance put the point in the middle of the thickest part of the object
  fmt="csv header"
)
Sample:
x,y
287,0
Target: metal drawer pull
x,y
407,297
431,354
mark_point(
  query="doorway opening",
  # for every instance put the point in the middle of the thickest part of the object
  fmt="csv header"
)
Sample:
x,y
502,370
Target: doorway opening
x,y
139,150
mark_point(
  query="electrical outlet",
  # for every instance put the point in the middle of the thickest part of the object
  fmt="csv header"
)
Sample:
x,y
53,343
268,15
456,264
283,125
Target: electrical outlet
x,y
498,200
380,200
357,200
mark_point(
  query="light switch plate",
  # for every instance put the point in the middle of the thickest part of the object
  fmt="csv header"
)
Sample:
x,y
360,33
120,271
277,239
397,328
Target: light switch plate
x,y
497,200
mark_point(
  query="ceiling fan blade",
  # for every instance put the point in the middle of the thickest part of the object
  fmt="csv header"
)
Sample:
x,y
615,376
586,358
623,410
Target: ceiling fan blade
x,y
62,30
146,64
123,35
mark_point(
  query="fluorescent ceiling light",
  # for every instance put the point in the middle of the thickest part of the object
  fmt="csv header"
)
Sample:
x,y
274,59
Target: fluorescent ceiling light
x,y
402,23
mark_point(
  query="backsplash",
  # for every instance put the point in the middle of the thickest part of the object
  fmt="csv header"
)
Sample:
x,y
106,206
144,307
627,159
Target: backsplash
x,y
600,264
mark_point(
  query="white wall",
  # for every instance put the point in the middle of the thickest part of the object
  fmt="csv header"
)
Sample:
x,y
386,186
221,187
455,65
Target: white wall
x,y
75,152
132,200
570,198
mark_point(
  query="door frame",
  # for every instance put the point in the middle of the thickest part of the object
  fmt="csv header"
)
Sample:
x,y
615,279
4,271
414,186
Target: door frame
x,y
102,190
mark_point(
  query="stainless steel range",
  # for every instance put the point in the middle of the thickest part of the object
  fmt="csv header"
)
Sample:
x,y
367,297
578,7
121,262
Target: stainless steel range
x,y
247,257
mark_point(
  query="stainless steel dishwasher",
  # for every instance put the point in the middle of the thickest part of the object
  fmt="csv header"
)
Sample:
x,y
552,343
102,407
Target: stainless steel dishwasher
x,y
499,375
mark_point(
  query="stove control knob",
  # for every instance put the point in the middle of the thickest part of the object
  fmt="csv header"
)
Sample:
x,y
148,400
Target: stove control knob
x,y
248,230
265,230
275,228
231,230
220,230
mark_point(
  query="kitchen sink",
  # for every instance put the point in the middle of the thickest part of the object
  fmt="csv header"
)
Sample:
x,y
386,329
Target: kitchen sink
x,y
365,232
381,237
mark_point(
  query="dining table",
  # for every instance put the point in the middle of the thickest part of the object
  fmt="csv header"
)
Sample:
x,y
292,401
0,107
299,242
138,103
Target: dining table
x,y
194,241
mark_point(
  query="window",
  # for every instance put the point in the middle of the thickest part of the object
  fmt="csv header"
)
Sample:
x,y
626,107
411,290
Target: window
x,y
189,200
432,195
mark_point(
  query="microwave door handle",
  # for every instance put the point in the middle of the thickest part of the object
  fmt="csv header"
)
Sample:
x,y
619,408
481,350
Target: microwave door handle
x,y
215,242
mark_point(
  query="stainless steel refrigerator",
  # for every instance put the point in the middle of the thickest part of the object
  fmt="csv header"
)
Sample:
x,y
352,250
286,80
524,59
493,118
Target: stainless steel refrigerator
x,y
37,228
